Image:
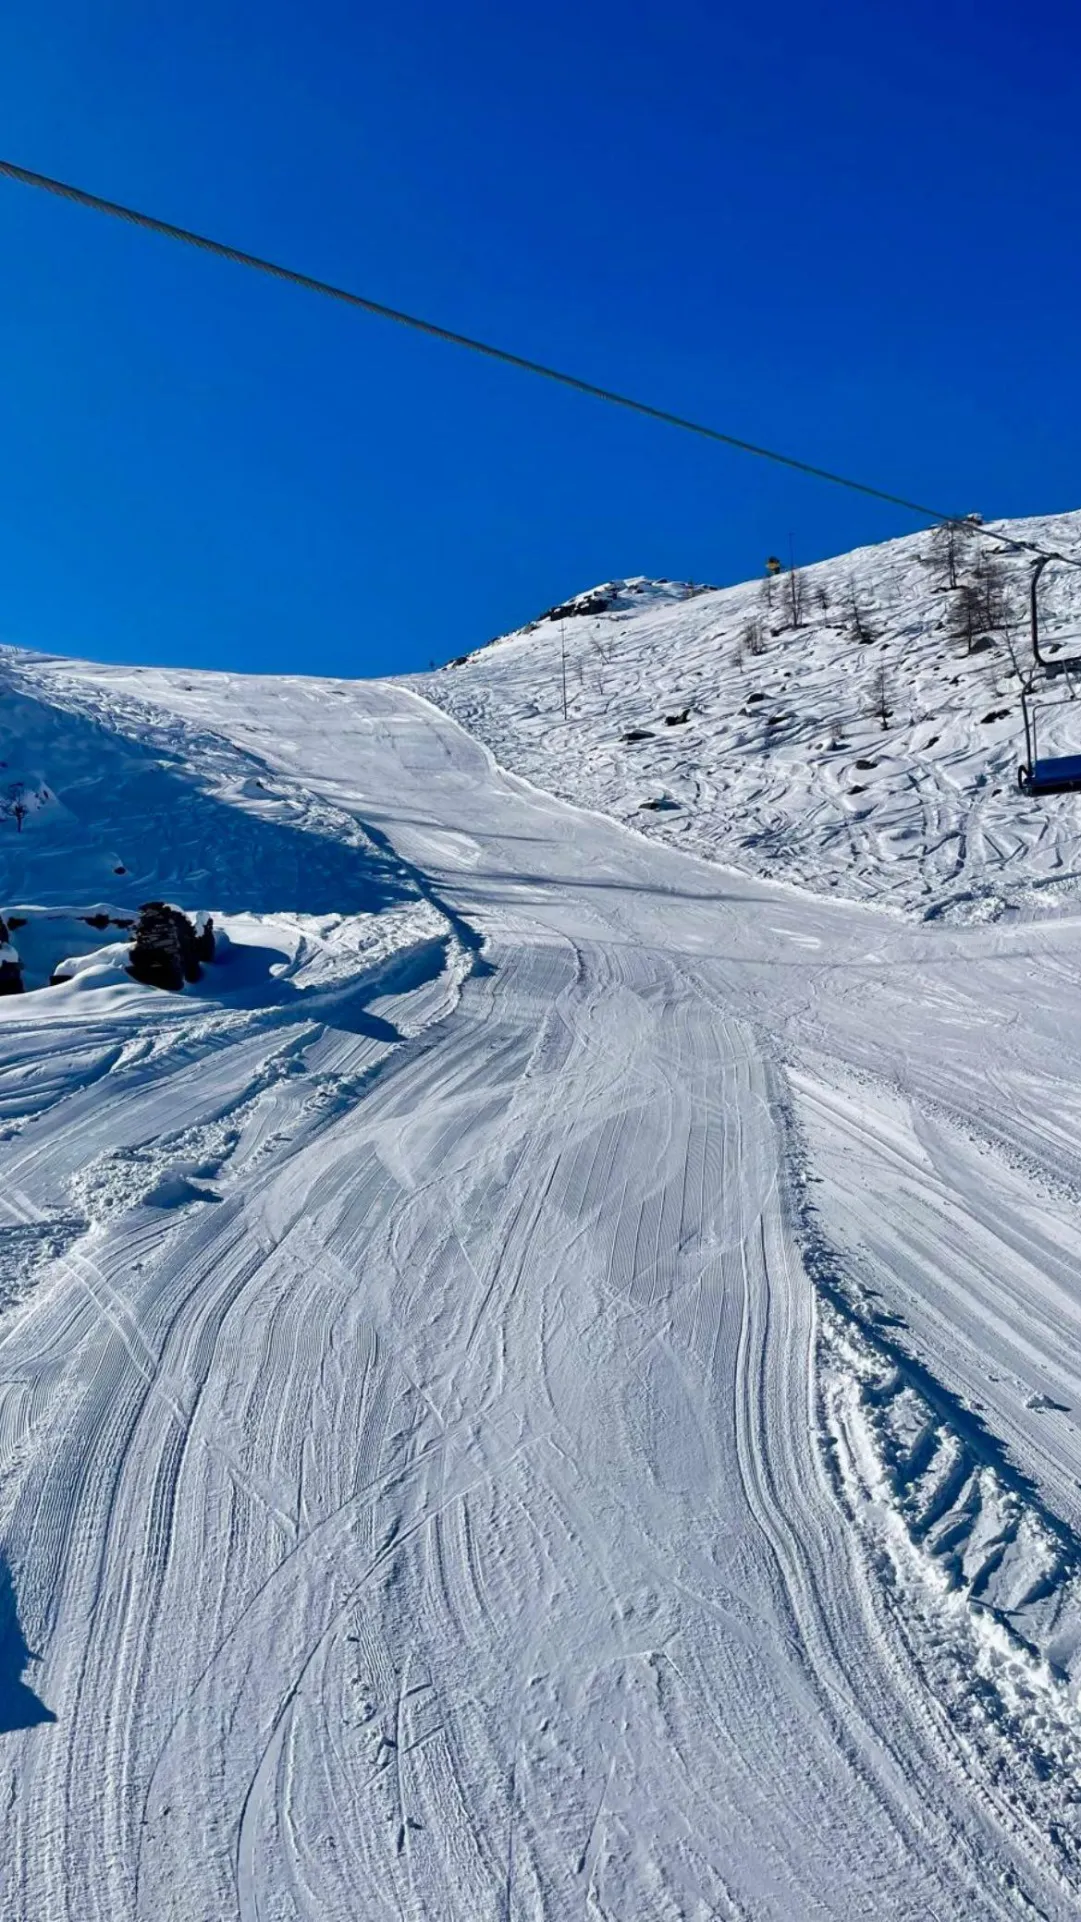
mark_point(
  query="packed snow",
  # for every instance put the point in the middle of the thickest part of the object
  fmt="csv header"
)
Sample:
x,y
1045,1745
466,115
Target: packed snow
x,y
548,1381
870,751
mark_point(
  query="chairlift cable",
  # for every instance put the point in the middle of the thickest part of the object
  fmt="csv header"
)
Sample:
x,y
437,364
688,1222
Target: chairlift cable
x,y
65,191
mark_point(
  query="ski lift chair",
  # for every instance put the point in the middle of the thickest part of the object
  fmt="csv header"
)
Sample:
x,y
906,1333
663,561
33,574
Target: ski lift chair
x,y
1057,773
1047,774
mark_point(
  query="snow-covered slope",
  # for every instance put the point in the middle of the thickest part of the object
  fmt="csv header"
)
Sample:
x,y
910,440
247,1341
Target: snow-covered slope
x,y
784,764
548,1386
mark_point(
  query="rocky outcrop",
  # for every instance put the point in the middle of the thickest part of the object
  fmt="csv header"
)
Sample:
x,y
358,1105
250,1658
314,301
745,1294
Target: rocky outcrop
x,y
11,968
204,937
166,950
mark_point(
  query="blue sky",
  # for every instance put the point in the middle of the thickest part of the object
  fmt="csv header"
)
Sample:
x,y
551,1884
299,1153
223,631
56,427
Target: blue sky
x,y
847,230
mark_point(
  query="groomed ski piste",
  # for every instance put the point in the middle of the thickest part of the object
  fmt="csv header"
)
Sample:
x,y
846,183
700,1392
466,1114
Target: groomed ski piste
x,y
548,1383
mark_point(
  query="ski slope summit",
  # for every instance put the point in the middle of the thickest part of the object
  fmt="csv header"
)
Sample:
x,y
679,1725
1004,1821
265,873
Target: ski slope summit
x,y
864,752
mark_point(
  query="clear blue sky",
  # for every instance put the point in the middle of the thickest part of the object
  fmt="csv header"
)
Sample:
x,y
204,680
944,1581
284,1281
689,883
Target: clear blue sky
x,y
846,229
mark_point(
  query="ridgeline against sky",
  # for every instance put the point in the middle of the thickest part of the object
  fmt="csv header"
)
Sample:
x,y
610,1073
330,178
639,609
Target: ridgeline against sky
x,y
836,236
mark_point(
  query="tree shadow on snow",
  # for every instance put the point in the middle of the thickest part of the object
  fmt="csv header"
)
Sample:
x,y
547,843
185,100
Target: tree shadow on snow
x,y
19,1706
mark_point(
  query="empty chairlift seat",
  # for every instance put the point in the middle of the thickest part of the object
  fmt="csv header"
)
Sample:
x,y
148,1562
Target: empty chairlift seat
x,y
1048,675
1060,775
1046,773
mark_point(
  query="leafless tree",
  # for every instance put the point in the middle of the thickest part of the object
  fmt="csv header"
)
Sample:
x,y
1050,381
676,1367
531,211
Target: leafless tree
x,y
822,598
994,589
858,626
752,639
967,626
794,596
17,805
950,542
598,644
880,695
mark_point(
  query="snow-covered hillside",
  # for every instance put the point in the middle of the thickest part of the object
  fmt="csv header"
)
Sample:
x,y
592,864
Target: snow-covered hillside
x,y
704,718
547,1384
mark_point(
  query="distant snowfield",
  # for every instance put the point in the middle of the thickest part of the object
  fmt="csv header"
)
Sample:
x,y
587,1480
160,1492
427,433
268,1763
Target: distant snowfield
x,y
550,1383
783,765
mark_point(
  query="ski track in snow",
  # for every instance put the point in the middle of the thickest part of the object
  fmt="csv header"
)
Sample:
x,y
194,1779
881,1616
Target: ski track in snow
x,y
779,760
584,1425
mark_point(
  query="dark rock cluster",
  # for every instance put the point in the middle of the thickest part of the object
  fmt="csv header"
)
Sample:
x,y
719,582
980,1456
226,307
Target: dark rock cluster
x,y
169,949
11,968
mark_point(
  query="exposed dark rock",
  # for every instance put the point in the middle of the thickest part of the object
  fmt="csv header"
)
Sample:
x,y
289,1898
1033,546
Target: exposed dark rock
x,y
11,968
594,603
638,734
865,765
677,720
164,953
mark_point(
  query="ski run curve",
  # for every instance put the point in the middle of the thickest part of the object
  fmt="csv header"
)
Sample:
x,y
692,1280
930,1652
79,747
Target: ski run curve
x,y
581,1424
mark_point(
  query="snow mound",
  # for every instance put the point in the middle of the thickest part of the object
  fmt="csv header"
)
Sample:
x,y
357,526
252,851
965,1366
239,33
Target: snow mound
x,y
846,731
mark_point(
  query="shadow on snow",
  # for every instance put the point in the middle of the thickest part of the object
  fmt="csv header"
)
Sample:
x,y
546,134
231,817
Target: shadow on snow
x,y
19,1706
